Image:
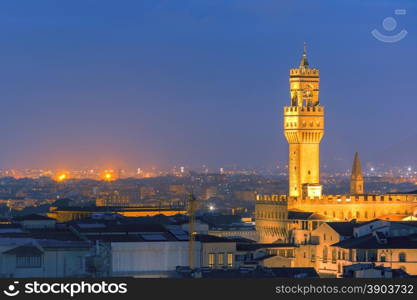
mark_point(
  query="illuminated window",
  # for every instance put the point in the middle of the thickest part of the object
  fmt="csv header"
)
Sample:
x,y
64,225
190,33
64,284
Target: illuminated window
x,y
230,259
334,253
325,254
220,259
313,257
211,260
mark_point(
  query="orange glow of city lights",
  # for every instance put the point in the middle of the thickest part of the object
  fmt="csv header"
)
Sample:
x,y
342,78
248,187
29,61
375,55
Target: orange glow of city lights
x,y
61,177
108,176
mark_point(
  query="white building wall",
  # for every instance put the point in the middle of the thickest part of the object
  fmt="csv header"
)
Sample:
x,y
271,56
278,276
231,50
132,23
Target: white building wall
x,y
130,258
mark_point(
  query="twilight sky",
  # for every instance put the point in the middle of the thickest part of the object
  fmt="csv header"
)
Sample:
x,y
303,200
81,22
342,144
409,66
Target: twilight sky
x,y
103,83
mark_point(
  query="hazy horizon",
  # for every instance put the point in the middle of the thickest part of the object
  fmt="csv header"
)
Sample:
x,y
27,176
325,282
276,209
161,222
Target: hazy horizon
x,y
157,83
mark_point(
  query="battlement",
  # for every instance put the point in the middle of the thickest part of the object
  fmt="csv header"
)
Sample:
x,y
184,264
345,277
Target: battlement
x,y
340,199
304,72
294,110
272,199
355,199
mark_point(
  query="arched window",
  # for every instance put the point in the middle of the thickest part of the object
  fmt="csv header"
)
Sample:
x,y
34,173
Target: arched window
x,y
402,257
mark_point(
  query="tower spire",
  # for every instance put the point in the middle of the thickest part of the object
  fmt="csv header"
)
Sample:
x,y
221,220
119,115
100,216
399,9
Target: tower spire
x,y
356,179
304,61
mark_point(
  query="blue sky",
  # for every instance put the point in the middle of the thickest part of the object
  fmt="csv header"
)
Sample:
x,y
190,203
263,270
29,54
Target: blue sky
x,y
162,83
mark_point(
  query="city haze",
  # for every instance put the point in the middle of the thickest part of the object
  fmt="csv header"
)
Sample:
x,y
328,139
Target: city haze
x,y
153,83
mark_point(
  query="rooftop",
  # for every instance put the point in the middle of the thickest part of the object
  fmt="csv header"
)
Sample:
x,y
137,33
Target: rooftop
x,y
32,217
371,242
115,208
256,246
25,250
301,215
343,228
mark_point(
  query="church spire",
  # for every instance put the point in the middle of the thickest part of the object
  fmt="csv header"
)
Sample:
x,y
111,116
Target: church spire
x,y
304,61
356,179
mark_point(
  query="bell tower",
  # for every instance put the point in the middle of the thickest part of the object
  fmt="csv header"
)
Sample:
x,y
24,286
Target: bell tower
x,y
356,178
304,129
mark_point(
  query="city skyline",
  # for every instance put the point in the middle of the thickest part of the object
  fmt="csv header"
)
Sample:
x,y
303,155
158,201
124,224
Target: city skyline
x,y
208,90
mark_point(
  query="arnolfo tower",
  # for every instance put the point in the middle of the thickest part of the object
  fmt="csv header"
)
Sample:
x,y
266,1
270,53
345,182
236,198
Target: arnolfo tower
x,y
304,129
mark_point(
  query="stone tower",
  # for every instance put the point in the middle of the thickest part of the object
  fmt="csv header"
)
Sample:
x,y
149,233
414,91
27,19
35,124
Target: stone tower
x,y
356,179
304,129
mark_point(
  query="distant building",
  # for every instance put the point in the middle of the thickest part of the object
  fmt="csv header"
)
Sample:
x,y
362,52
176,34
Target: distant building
x,y
35,247
248,272
43,258
372,271
300,225
178,189
210,192
217,252
65,214
35,221
147,192
113,198
245,195
137,249
335,245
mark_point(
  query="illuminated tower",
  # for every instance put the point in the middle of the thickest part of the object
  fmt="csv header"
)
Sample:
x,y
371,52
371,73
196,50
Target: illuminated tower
x,y
304,129
356,179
